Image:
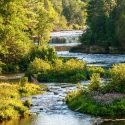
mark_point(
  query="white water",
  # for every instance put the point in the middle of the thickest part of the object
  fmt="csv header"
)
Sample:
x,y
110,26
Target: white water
x,y
64,34
72,38
104,60
69,38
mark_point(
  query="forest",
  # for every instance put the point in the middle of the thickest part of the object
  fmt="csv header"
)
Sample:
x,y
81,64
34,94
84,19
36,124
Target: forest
x,y
20,21
106,23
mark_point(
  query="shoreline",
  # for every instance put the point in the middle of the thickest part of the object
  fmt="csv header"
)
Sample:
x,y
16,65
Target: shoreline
x,y
94,49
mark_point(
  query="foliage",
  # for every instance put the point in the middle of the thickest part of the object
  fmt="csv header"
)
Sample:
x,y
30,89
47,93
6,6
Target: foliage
x,y
27,102
23,81
1,66
118,77
70,71
43,52
13,39
46,19
39,65
88,103
105,23
11,106
75,12
29,89
71,13
94,82
94,69
101,99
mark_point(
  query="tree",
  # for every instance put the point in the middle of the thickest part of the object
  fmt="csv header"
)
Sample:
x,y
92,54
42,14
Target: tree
x,y
14,42
120,23
46,20
74,11
101,23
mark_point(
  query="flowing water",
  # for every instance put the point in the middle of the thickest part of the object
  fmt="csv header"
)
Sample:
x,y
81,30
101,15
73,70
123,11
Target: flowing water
x,y
50,108
72,39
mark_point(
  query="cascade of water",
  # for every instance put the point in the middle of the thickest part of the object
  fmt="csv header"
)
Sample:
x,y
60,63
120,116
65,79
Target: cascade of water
x,y
65,37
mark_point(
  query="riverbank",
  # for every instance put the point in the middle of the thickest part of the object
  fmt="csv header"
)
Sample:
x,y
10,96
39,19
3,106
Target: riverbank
x,y
101,99
11,105
97,104
62,71
94,49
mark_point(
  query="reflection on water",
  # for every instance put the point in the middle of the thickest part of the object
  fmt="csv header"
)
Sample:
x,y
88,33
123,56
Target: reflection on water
x,y
60,119
26,121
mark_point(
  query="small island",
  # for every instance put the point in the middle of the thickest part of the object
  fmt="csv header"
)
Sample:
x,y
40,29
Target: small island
x,y
101,99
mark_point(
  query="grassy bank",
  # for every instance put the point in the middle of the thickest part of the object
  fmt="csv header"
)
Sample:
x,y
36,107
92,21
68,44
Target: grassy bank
x,y
71,70
11,106
109,104
101,99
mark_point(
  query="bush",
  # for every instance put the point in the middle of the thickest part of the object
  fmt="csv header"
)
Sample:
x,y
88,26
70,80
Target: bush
x,y
118,74
10,68
85,102
23,81
27,102
58,65
94,82
59,71
43,52
118,78
94,69
29,89
39,65
1,66
73,64
11,106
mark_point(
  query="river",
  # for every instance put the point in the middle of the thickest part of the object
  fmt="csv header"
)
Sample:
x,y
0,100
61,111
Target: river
x,y
50,108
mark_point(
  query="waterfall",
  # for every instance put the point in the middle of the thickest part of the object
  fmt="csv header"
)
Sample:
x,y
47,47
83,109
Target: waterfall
x,y
65,39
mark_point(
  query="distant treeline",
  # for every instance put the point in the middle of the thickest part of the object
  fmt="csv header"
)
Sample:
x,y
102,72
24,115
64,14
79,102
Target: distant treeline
x,y
106,23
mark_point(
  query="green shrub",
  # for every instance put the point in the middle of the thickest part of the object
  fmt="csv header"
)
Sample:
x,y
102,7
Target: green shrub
x,y
118,78
94,69
23,81
118,74
27,102
58,65
85,103
10,68
11,106
94,82
43,52
29,89
74,64
60,71
39,65
1,66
